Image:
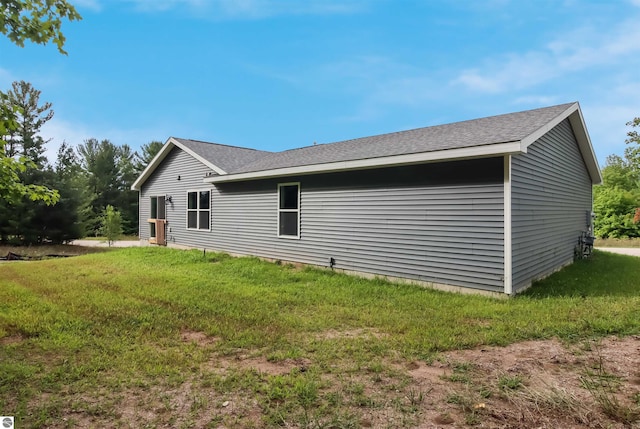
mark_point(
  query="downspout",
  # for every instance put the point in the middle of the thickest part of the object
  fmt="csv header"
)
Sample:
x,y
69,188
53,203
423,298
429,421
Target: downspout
x,y
508,259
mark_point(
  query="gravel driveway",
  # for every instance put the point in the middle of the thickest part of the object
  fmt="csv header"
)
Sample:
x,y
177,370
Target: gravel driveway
x,y
632,251
98,243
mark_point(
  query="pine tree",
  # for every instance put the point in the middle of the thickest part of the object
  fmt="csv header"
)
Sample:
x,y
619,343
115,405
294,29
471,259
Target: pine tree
x,y
24,140
148,152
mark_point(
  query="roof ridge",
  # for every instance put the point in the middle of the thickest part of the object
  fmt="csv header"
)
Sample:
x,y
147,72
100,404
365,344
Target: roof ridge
x,y
470,132
429,126
221,144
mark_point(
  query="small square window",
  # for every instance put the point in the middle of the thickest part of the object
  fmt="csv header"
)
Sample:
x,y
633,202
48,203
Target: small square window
x,y
198,210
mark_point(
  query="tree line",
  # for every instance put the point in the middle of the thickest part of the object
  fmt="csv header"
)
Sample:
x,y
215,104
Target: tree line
x,y
70,197
81,181
616,203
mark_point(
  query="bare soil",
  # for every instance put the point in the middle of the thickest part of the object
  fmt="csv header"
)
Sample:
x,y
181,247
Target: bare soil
x,y
47,250
532,384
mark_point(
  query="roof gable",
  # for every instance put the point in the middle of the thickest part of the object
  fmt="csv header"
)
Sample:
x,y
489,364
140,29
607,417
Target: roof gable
x,y
218,157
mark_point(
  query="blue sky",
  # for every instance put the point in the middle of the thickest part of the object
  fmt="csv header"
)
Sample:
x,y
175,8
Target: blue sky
x,y
280,74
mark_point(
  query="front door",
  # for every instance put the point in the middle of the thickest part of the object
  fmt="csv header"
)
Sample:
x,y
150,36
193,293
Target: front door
x,y
157,221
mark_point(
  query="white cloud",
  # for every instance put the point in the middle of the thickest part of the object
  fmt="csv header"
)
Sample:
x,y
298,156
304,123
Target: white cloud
x,y
93,5
251,9
576,51
540,100
5,79
607,129
58,131
164,5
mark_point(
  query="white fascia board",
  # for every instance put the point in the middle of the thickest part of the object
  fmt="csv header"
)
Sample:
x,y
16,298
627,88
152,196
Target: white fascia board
x,y
531,138
574,114
388,161
584,143
162,154
198,157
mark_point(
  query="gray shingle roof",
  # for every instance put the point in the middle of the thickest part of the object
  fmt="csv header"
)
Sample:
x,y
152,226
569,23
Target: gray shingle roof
x,y
228,158
487,136
478,132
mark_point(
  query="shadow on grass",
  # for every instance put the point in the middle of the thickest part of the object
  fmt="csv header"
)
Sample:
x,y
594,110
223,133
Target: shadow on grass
x,y
604,274
44,250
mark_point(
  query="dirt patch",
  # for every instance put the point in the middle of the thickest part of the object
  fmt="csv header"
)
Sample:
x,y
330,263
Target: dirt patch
x,y
276,367
242,361
11,339
46,251
200,338
533,384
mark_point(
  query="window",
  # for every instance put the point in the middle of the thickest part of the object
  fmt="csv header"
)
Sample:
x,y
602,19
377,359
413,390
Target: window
x,y
198,210
289,210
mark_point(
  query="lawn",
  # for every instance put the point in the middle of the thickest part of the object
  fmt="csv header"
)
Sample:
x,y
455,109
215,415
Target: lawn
x,y
154,337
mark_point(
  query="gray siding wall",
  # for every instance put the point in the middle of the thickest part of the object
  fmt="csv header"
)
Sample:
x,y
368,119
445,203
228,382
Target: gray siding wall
x,y
164,181
439,223
551,194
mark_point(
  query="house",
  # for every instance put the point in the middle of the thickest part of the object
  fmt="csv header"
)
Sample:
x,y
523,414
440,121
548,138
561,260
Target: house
x,y
489,204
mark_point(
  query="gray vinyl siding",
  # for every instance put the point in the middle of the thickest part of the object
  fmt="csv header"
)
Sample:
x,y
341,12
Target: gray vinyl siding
x,y
439,223
551,194
164,181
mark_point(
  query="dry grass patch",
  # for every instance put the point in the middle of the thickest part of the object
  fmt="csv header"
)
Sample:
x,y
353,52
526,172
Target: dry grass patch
x,y
333,334
539,384
534,384
199,338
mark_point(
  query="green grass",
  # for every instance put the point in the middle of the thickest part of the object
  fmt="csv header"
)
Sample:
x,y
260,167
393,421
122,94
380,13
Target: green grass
x,y
86,336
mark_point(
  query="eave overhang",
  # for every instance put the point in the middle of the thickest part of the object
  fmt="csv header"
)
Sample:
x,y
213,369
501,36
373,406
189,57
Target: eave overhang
x,y
364,164
573,113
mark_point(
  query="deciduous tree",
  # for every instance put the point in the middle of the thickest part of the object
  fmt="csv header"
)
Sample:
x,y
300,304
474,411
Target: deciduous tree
x,y
111,226
616,202
39,21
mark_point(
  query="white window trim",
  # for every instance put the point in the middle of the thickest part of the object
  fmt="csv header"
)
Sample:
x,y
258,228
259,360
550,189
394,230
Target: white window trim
x,y
197,210
297,211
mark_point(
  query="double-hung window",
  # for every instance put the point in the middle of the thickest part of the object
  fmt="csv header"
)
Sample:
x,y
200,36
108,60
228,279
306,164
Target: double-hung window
x,y
198,210
289,210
